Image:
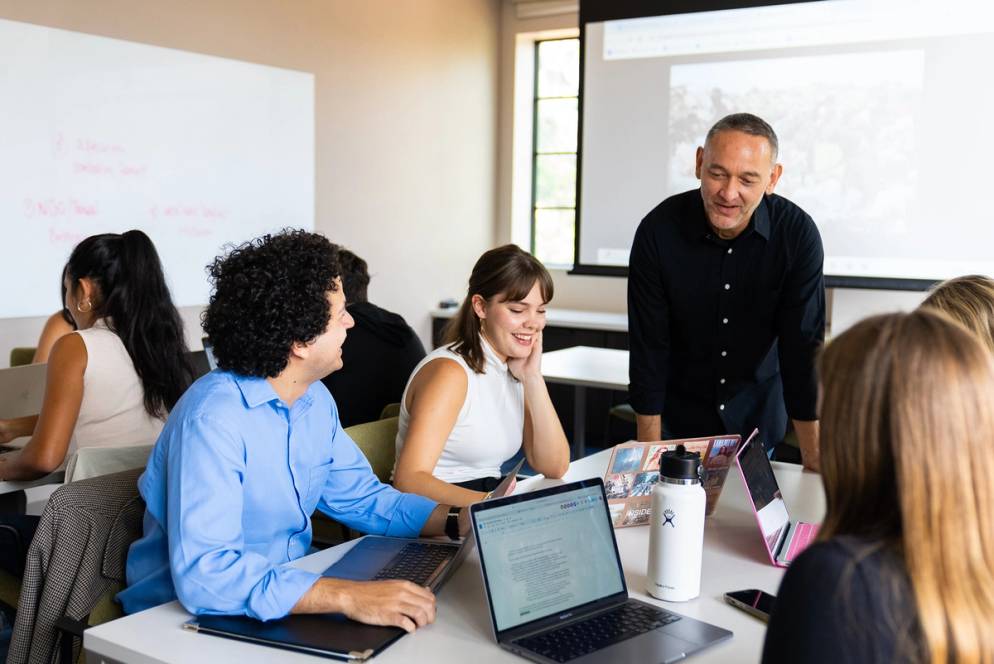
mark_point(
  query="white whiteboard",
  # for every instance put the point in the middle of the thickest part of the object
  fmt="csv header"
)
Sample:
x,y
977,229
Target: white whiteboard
x,y
100,135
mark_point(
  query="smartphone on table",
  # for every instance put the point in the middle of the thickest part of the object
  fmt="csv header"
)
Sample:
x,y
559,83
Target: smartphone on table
x,y
752,601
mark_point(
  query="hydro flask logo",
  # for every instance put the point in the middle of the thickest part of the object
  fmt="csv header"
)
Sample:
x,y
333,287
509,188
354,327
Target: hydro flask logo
x,y
669,516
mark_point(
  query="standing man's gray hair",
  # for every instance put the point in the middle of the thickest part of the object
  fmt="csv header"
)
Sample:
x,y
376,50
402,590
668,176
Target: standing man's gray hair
x,y
748,124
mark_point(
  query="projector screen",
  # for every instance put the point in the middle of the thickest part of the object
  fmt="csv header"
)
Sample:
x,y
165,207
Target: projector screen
x,y
100,135
884,115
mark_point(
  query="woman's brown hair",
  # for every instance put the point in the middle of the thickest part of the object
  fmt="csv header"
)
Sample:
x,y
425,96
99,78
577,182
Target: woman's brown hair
x,y
508,273
969,300
907,427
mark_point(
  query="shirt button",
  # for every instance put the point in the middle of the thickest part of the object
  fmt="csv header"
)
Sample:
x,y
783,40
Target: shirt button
x,y
724,353
722,381
724,321
721,407
727,286
729,250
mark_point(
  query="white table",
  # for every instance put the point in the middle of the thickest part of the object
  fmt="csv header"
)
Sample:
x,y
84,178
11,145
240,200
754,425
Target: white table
x,y
734,558
56,477
583,367
52,478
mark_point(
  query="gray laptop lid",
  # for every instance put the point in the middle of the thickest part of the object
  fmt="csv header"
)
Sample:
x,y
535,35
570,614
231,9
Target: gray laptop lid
x,y
22,390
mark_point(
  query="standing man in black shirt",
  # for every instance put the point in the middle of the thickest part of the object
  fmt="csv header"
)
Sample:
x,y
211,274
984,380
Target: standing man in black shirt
x,y
726,300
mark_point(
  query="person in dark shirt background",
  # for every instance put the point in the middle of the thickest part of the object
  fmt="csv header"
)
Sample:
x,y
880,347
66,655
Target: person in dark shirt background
x,y
379,353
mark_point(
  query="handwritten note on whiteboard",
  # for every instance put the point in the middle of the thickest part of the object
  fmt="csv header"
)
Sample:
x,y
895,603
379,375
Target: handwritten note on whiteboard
x,y
102,135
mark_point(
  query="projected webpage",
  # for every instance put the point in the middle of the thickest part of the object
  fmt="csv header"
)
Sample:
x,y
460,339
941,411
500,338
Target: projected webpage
x,y
883,124
547,555
100,135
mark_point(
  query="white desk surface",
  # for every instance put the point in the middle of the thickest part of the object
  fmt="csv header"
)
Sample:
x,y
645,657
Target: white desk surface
x,y
734,559
52,478
584,320
585,366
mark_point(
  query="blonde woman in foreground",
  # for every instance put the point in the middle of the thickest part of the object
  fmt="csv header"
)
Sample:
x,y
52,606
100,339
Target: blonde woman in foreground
x,y
904,567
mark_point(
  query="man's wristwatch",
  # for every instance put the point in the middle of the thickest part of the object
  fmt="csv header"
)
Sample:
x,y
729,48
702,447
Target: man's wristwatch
x,y
452,523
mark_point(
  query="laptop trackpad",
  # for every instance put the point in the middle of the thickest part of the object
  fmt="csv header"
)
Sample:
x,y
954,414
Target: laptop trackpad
x,y
365,559
655,647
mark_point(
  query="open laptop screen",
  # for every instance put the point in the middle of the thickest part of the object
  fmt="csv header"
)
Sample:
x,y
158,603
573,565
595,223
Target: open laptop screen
x,y
771,511
547,554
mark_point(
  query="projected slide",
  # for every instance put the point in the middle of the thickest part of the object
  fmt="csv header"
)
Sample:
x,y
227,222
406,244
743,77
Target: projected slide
x,y
100,135
879,117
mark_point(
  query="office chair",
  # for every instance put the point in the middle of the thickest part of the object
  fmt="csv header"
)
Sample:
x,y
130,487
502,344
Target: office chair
x,y
75,566
390,410
21,356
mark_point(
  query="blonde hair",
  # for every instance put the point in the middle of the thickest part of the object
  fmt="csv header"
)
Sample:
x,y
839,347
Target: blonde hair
x,y
969,300
907,427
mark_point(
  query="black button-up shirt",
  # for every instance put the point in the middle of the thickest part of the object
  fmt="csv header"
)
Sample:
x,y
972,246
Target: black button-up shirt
x,y
723,333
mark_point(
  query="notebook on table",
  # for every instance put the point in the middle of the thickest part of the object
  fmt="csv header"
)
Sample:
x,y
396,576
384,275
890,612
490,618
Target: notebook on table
x,y
556,588
784,539
426,562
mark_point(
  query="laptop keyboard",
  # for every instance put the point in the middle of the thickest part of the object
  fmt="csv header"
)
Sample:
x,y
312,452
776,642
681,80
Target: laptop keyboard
x,y
417,562
804,533
584,637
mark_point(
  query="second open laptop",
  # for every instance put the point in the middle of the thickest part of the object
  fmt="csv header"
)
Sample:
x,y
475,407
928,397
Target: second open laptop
x,y
426,562
556,588
784,539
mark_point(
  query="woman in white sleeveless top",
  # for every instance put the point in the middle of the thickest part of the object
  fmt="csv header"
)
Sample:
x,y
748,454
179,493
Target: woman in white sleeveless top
x,y
473,403
113,381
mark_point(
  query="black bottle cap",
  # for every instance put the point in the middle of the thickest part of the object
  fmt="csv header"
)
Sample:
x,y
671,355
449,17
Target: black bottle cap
x,y
679,464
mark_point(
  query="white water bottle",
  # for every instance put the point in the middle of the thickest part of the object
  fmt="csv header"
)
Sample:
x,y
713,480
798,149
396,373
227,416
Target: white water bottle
x,y
676,538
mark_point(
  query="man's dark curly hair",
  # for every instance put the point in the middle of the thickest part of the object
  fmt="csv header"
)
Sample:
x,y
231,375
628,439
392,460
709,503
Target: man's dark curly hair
x,y
268,294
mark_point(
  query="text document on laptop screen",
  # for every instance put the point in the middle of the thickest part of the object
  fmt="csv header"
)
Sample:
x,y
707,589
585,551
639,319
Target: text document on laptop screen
x,y
101,135
885,128
548,555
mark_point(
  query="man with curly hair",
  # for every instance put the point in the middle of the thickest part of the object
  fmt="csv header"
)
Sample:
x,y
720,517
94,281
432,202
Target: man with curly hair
x,y
252,449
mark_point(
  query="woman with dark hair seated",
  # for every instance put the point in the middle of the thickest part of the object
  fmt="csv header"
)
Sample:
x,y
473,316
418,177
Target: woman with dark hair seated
x,y
903,570
473,403
114,380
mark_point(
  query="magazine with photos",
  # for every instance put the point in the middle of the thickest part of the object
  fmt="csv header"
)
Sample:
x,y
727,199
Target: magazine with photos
x,y
634,470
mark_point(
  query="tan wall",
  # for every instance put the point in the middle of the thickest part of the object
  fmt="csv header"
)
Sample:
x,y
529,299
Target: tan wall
x,y
406,99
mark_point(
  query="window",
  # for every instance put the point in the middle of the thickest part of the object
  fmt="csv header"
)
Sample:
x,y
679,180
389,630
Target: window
x,y
557,77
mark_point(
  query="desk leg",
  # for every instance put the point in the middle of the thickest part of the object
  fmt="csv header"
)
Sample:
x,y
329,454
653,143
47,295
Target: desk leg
x,y
579,422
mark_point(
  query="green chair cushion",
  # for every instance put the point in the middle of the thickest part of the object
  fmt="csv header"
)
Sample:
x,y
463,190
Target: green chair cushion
x,y
377,440
21,356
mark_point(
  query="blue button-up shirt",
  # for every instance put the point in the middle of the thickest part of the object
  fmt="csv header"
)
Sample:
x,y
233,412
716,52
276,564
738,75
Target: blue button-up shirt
x,y
230,487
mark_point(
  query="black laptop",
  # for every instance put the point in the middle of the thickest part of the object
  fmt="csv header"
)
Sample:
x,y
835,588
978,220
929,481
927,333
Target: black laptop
x,y
556,588
426,562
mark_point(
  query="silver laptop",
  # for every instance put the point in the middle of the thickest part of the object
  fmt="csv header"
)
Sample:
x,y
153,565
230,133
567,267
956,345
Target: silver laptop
x,y
426,562
22,390
556,588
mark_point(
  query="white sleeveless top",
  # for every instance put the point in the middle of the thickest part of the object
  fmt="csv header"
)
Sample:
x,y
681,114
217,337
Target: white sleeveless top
x,y
491,422
112,413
